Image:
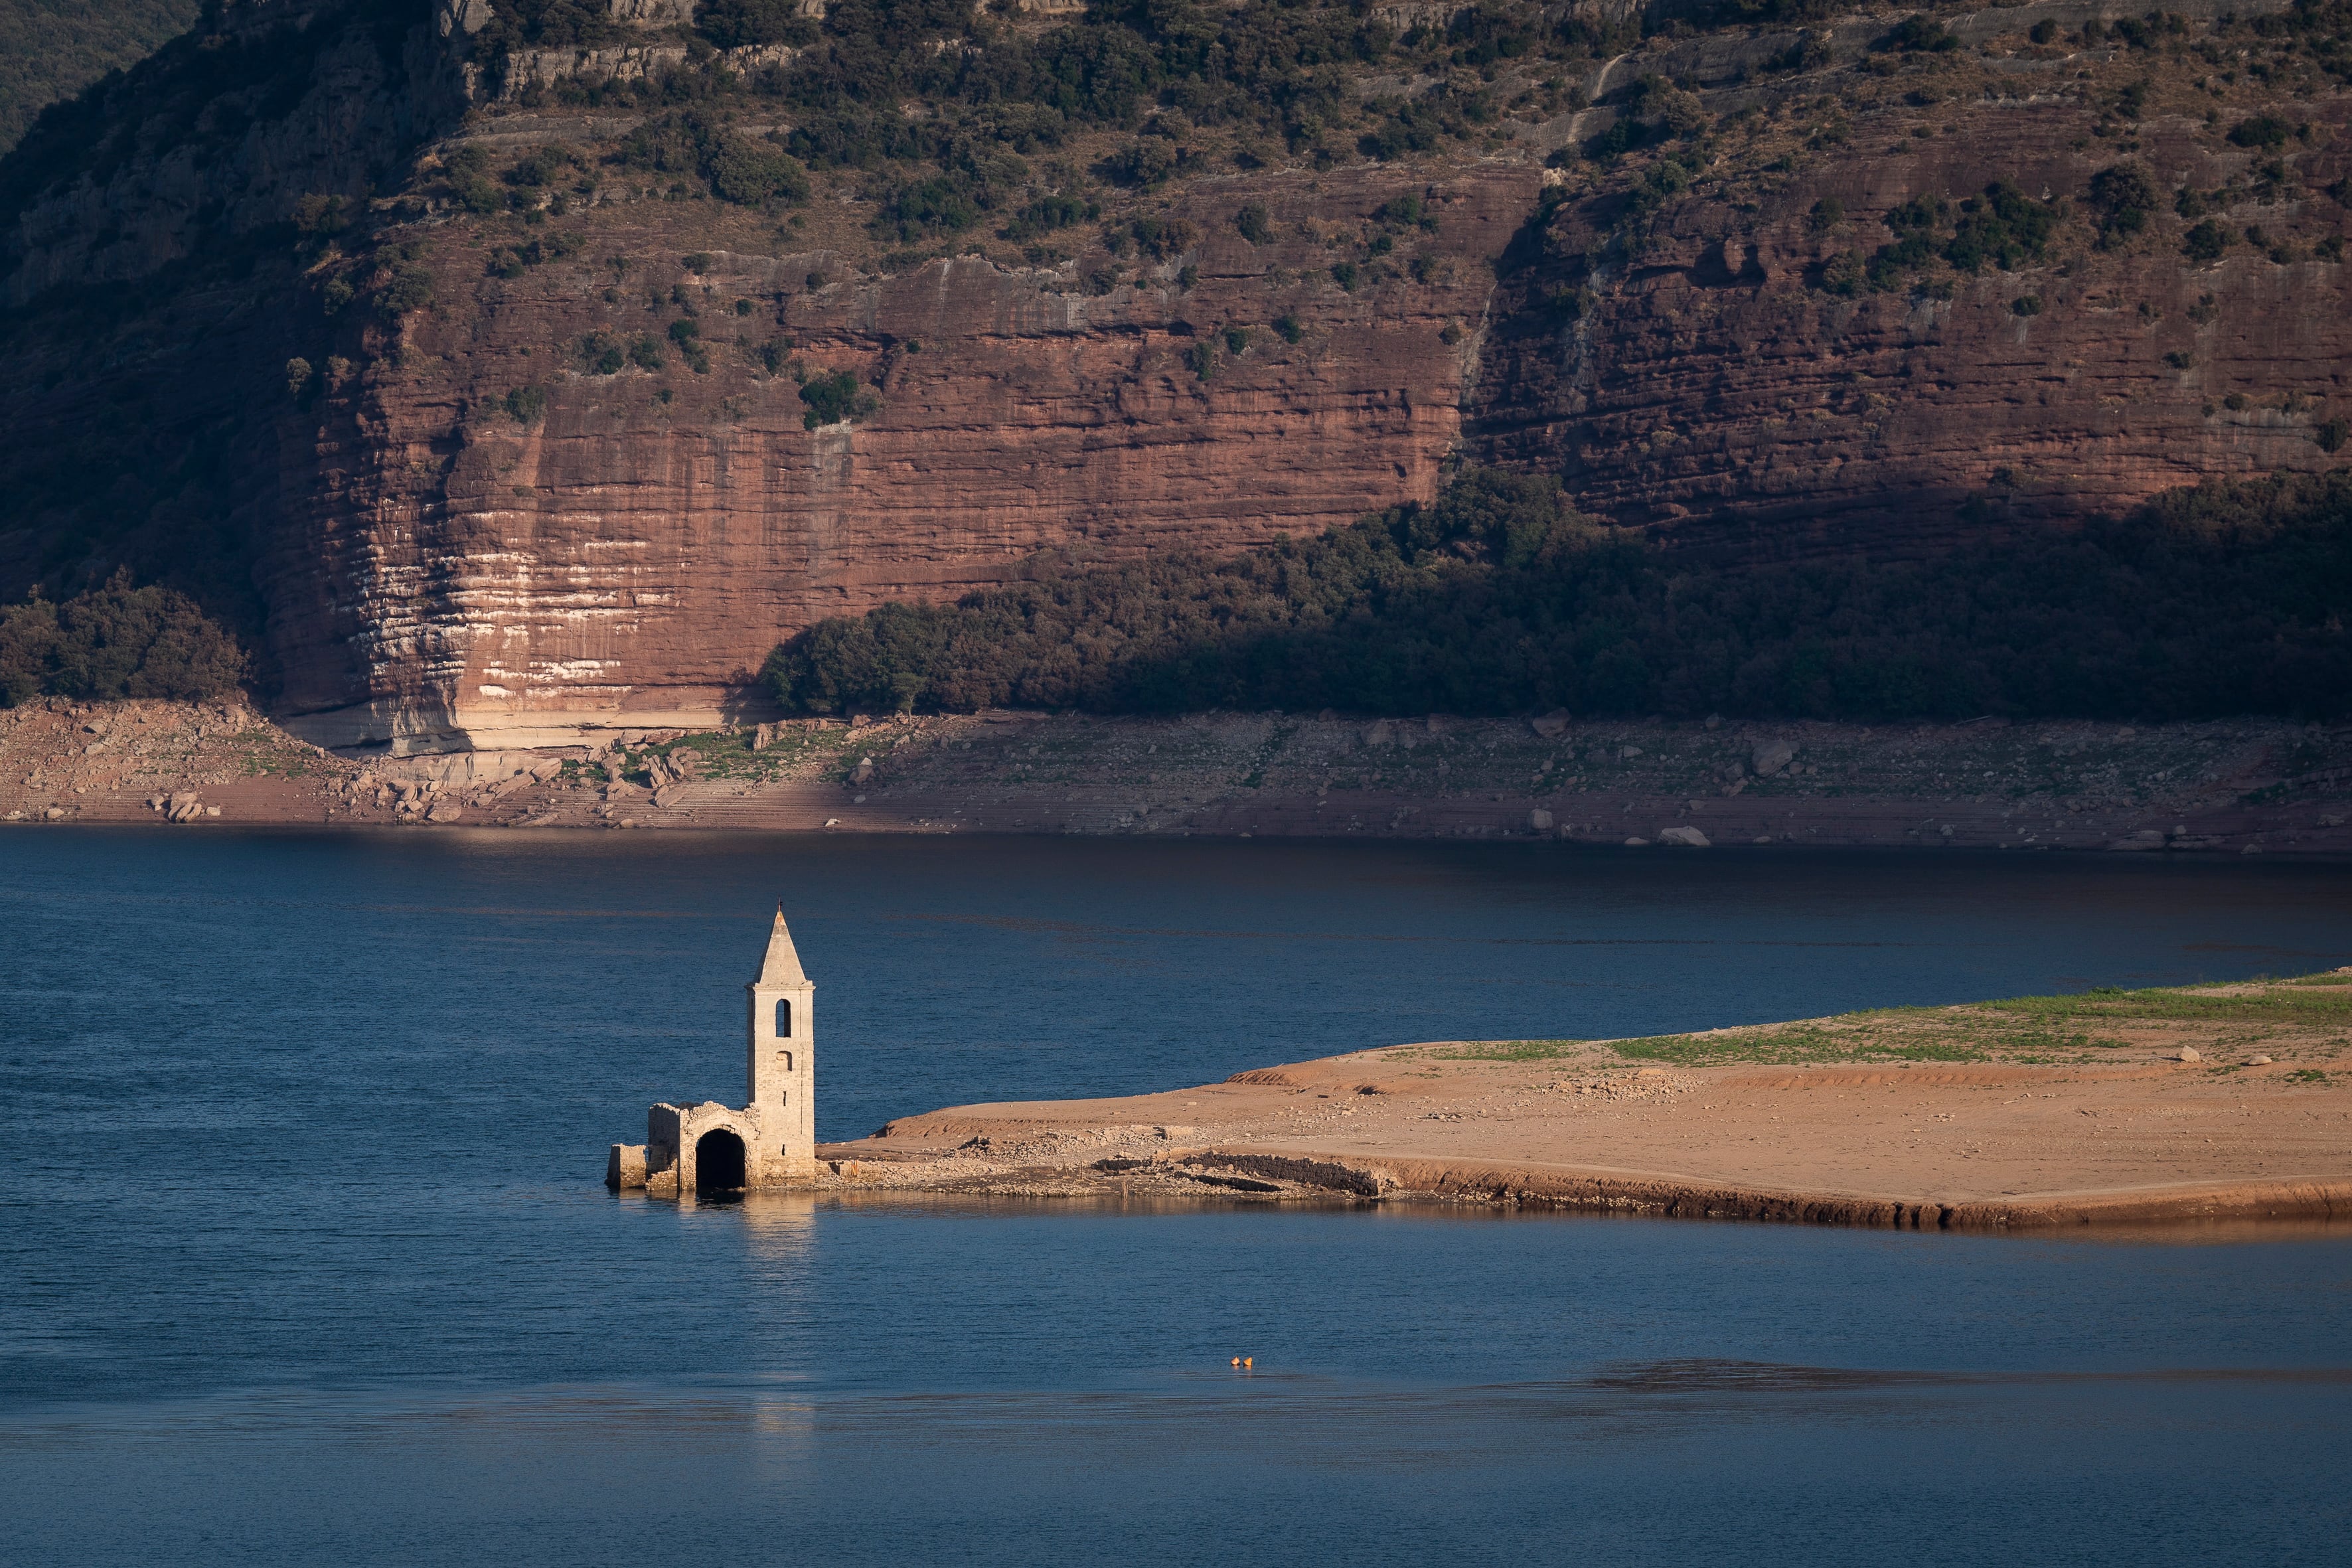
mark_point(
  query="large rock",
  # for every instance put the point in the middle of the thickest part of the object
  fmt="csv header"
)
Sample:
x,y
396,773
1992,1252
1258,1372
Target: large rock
x,y
1688,838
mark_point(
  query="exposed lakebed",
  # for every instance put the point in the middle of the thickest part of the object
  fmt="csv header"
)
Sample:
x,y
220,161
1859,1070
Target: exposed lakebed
x,y
309,1262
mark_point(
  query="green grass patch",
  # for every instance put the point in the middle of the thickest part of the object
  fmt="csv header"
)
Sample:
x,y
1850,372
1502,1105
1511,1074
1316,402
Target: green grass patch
x,y
2309,1000
1515,1051
2019,1028
1802,1043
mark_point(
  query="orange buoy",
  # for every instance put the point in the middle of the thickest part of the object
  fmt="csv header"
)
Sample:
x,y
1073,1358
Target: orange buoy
x,y
1249,1361
1237,1360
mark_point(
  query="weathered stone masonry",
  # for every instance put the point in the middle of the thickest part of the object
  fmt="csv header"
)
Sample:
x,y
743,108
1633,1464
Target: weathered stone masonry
x,y
769,1142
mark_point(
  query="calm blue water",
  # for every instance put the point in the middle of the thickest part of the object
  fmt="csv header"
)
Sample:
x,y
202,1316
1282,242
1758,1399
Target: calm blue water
x,y
306,1260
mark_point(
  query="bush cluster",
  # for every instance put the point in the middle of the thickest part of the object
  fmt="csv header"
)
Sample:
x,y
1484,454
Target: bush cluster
x,y
745,172
2004,227
112,642
1285,69
1499,599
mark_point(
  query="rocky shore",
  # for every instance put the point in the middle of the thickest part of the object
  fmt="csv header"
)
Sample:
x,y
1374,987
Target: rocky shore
x,y
2237,787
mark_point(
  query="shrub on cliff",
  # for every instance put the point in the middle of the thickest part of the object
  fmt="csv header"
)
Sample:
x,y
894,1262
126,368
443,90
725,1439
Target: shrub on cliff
x,y
2123,196
112,642
2204,244
739,23
1499,598
1918,34
830,398
747,173
526,24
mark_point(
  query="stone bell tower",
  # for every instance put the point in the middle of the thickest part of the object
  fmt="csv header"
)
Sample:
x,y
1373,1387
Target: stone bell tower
x,y
780,1072
770,1141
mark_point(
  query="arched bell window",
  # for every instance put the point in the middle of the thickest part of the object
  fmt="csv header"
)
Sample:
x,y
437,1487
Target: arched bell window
x,y
785,1018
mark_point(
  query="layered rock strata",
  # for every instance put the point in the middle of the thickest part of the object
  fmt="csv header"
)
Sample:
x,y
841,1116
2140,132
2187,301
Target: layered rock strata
x,y
629,554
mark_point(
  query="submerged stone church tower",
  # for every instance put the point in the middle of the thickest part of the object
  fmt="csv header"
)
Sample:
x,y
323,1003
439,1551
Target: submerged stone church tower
x,y
769,1142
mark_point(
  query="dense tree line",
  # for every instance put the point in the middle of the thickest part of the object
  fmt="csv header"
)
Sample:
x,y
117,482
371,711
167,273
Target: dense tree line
x,y
2227,599
114,641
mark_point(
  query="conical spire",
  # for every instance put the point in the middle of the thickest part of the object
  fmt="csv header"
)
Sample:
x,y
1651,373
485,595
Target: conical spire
x,y
783,964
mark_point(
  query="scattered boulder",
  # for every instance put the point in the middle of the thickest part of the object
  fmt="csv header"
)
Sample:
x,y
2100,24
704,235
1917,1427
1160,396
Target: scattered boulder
x,y
1768,757
2185,1053
444,810
674,767
2258,1060
1540,821
1688,838
1637,844
1551,725
861,771
2145,838
763,737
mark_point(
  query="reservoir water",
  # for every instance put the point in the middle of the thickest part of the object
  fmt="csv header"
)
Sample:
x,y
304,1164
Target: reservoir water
x,y
305,1257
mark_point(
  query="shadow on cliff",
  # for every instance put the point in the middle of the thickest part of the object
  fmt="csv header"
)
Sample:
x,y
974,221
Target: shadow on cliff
x,y
156,298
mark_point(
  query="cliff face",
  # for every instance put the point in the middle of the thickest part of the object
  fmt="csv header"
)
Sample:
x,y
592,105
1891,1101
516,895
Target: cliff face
x,y
636,548
1710,379
546,465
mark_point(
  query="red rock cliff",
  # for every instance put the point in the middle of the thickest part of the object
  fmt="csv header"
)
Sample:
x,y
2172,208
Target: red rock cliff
x,y
632,552
464,529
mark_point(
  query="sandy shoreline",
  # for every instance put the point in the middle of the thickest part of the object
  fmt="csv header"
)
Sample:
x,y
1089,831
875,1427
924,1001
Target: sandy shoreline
x,y
2235,787
2121,1134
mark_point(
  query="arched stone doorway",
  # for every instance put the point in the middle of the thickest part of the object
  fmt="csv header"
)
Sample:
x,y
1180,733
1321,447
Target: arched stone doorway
x,y
718,1163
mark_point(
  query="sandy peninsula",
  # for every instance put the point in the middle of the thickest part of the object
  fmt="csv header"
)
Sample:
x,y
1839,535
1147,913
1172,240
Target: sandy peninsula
x,y
2207,1103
